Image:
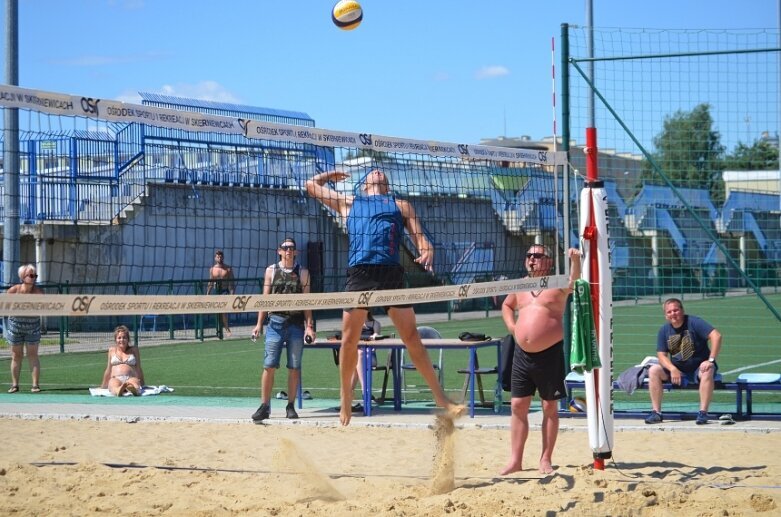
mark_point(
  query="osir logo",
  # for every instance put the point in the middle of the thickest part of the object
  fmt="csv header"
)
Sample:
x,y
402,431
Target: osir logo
x,y
90,105
365,138
463,291
463,149
244,123
82,304
365,297
240,302
544,282
542,156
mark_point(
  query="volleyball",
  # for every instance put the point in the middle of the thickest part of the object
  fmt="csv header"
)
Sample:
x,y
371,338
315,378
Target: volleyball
x,y
347,14
577,405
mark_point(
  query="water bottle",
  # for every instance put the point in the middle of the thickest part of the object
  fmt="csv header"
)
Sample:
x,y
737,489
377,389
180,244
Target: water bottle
x,y
498,397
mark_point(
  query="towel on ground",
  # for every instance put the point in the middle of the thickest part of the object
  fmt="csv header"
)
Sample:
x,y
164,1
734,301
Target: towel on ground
x,y
584,355
145,391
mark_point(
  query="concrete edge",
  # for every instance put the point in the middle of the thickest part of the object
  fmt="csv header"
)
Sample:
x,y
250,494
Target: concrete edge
x,y
673,427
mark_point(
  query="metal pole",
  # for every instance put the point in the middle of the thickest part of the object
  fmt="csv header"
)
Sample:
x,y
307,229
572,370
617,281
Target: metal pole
x,y
11,149
566,173
565,135
590,41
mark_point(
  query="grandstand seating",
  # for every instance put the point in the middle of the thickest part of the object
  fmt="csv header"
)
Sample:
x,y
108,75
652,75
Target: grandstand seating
x,y
755,214
657,209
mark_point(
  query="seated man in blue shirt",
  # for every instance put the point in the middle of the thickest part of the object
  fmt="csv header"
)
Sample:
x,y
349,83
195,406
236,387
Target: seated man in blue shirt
x,y
684,357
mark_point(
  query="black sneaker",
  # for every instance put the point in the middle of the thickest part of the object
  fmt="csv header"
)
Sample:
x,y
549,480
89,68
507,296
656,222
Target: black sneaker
x,y
702,417
263,412
654,418
290,411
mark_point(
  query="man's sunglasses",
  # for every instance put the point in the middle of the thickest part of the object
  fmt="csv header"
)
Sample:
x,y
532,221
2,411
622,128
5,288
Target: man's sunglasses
x,y
537,256
286,247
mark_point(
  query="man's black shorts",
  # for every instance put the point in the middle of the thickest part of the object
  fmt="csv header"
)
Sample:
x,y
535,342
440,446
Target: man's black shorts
x,y
372,277
543,371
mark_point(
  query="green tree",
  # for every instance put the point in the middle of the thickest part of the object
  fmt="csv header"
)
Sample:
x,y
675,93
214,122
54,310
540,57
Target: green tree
x,y
689,153
760,156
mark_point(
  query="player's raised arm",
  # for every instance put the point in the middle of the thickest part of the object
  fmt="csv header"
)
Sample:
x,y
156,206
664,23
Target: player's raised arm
x,y
316,188
574,267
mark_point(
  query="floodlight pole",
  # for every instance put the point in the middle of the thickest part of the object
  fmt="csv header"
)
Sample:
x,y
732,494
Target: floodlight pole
x,y
11,148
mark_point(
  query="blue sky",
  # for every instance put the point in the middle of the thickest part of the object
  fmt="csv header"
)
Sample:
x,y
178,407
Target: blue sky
x,y
445,70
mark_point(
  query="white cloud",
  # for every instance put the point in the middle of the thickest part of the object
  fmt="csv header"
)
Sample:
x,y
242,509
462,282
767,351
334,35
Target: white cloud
x,y
489,72
129,96
204,90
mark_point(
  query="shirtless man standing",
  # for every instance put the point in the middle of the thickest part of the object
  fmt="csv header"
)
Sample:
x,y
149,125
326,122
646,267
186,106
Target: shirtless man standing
x,y
221,280
538,362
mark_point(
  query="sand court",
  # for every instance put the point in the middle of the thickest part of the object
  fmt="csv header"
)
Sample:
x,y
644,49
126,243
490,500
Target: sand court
x,y
58,464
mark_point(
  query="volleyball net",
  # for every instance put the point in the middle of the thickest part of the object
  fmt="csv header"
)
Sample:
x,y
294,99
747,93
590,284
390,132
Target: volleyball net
x,y
118,200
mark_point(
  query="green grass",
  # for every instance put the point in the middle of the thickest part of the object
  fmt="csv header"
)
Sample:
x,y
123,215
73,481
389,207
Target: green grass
x,y
231,368
44,341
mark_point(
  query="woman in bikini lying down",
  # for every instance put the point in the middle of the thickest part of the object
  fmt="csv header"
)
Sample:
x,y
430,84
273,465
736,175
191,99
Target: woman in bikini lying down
x,y
123,371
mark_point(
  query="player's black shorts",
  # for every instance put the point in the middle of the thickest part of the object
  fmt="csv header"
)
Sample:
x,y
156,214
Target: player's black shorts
x,y
543,371
371,277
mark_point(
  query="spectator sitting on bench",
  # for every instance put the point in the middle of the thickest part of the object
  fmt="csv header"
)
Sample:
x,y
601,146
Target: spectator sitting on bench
x,y
684,357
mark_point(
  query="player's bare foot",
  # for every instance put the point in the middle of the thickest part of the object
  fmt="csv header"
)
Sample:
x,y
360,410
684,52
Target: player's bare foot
x,y
228,332
546,467
131,388
455,411
346,410
510,468
345,414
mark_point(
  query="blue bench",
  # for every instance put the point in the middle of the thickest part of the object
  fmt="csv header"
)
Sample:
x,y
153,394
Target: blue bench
x,y
750,382
576,380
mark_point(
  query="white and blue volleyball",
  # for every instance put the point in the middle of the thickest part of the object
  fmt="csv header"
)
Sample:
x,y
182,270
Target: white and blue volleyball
x,y
347,14
577,405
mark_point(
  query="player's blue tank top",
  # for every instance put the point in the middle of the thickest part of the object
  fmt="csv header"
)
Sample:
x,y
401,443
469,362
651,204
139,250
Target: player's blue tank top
x,y
375,226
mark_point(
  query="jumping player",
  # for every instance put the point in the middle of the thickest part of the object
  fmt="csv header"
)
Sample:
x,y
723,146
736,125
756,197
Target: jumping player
x,y
375,225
